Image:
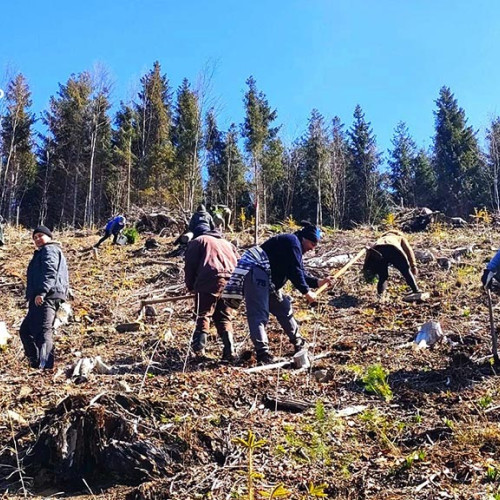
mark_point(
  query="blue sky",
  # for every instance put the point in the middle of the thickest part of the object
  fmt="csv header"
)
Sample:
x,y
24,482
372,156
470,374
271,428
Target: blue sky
x,y
391,57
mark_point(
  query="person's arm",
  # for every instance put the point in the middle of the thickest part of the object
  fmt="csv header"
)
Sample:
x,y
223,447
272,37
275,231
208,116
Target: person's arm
x,y
383,274
49,267
191,262
408,250
296,270
494,264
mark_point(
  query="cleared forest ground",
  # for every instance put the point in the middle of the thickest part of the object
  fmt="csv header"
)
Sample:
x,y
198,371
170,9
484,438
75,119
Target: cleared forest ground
x,y
437,436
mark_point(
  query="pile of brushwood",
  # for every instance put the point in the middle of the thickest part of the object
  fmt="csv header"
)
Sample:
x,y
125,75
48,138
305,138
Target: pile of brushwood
x,y
128,413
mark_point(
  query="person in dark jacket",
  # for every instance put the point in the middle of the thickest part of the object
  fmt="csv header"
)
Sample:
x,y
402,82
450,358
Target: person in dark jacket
x,y
209,262
259,276
113,227
392,248
47,287
201,222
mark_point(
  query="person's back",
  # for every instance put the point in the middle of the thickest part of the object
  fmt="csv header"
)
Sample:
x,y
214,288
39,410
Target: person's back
x,y
201,221
208,259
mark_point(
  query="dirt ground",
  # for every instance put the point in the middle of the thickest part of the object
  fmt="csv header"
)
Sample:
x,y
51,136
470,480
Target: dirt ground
x,y
163,426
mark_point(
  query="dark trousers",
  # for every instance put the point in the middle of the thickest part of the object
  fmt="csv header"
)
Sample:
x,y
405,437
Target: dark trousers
x,y
391,255
209,306
37,331
107,234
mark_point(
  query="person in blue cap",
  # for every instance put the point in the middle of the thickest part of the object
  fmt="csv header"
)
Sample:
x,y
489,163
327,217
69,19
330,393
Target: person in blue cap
x,y
113,227
259,277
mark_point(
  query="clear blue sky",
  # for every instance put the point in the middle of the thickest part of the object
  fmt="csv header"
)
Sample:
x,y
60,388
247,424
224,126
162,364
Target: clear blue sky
x,y
391,57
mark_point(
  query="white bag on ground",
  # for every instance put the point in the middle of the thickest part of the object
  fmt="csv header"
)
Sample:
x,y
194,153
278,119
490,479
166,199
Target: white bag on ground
x,y
429,334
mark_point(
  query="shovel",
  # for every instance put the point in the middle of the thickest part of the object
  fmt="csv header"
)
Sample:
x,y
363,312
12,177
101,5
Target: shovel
x,y
339,273
492,329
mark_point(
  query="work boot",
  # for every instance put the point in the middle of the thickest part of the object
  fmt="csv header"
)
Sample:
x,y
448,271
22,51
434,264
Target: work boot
x,y
265,358
299,344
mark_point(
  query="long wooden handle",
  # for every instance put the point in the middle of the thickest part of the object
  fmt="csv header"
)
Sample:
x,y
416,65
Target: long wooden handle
x,y
493,329
165,299
340,272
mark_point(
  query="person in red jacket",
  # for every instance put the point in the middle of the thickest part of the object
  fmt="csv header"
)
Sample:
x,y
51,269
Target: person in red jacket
x,y
209,262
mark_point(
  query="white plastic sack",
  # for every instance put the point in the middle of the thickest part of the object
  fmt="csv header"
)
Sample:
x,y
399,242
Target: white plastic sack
x,y
4,334
429,334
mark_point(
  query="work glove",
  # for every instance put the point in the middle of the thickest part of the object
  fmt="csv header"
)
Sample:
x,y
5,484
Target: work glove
x,y
487,278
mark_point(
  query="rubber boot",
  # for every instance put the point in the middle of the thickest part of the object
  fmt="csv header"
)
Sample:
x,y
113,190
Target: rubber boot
x,y
228,353
198,343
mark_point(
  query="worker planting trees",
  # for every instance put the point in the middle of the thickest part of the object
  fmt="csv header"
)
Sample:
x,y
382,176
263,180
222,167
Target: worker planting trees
x,y
392,248
209,262
259,277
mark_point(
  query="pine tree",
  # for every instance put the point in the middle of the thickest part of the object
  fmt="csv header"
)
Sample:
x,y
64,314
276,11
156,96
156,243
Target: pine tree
x,y
257,131
188,141
401,163
18,159
364,194
456,157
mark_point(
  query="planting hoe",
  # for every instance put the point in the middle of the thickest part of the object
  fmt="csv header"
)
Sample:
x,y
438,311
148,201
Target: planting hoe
x,y
339,273
493,329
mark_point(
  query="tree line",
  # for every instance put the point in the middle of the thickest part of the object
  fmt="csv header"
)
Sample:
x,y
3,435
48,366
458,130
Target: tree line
x,y
165,148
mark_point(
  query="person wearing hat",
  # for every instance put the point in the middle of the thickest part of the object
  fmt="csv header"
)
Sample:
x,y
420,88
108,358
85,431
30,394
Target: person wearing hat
x,y
259,277
392,248
201,221
209,263
113,227
46,288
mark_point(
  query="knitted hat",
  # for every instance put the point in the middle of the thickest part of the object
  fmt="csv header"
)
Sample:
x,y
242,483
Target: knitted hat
x,y
43,230
309,232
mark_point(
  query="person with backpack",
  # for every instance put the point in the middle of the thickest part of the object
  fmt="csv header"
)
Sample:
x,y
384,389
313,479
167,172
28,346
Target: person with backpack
x,y
46,288
113,228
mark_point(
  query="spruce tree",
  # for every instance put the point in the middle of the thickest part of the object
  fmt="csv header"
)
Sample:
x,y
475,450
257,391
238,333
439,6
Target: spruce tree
x,y
337,174
17,143
317,158
188,141
401,164
424,185
257,132
122,179
364,193
456,158
153,144
493,162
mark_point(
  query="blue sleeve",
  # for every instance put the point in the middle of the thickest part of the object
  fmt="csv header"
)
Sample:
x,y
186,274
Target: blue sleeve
x,y
494,264
296,270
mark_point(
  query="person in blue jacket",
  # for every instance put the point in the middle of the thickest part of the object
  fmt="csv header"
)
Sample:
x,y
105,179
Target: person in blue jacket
x,y
113,227
46,288
492,271
259,276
